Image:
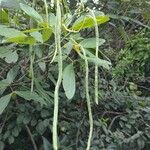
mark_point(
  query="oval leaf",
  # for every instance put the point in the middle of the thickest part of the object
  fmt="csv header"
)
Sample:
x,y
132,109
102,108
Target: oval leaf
x,y
69,81
4,102
42,66
91,42
10,32
46,34
27,95
88,22
12,57
4,84
4,51
22,40
31,12
12,73
38,36
100,62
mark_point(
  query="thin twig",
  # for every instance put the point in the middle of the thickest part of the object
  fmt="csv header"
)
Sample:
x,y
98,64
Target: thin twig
x,y
31,137
113,121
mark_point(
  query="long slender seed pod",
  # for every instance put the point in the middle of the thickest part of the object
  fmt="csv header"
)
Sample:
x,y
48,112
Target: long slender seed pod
x,y
60,66
31,66
88,99
96,54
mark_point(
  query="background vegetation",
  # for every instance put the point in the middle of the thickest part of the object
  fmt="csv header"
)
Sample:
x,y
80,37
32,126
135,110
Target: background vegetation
x,y
34,38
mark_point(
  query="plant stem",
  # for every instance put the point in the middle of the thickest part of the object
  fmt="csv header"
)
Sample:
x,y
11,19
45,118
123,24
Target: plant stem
x,y
96,54
88,99
60,66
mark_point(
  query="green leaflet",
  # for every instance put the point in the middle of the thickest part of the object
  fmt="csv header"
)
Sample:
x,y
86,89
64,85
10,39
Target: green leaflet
x,y
31,12
16,36
38,36
97,61
100,62
46,34
4,84
69,81
88,22
11,75
9,55
4,102
4,18
10,32
4,51
91,42
52,20
22,40
12,57
27,95
42,66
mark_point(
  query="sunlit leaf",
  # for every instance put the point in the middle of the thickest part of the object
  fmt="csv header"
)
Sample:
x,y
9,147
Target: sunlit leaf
x,y
4,18
22,40
88,22
16,20
46,34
